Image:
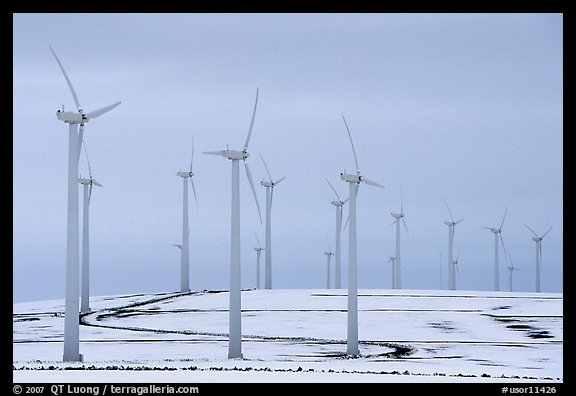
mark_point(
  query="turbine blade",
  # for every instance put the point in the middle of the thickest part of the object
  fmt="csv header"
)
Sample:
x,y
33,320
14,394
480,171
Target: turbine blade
x,y
192,155
406,228
79,142
249,175
546,233
505,251
352,143
401,200
94,182
279,180
89,194
456,222
347,219
87,159
271,196
78,106
220,152
372,183
531,230
503,218
346,200
257,240
99,112
265,166
194,191
449,211
333,189
540,255
328,241
251,122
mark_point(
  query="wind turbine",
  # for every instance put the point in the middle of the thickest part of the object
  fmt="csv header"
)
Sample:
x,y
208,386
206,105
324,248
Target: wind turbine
x,y
269,185
538,240
497,232
451,228
87,183
455,265
329,255
258,251
397,217
354,181
75,121
185,250
392,260
338,203
235,326
511,268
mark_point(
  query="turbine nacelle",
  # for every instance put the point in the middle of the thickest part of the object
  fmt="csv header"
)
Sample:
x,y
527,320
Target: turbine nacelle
x,y
494,230
89,182
536,239
329,253
350,178
230,154
185,174
397,215
71,117
337,203
452,223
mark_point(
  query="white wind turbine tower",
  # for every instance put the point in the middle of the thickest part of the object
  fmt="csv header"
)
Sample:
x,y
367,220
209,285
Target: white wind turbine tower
x,y
392,260
538,240
269,185
329,255
397,216
497,232
185,249
354,181
258,251
75,121
511,268
338,203
235,327
451,228
87,183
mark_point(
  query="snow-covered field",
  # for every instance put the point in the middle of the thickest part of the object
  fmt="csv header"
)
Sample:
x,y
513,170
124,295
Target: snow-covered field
x,y
298,335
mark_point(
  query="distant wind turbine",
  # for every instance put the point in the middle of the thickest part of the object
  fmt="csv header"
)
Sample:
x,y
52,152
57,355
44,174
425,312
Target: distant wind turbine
x,y
497,233
185,250
538,240
87,183
455,265
392,260
451,228
397,257
354,181
511,268
329,255
75,121
269,185
258,251
235,325
338,203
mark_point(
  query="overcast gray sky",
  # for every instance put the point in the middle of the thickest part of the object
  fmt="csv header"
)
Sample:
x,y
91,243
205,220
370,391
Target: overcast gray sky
x,y
463,106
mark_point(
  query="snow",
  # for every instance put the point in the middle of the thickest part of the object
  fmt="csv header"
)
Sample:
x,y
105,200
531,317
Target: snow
x,y
298,335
